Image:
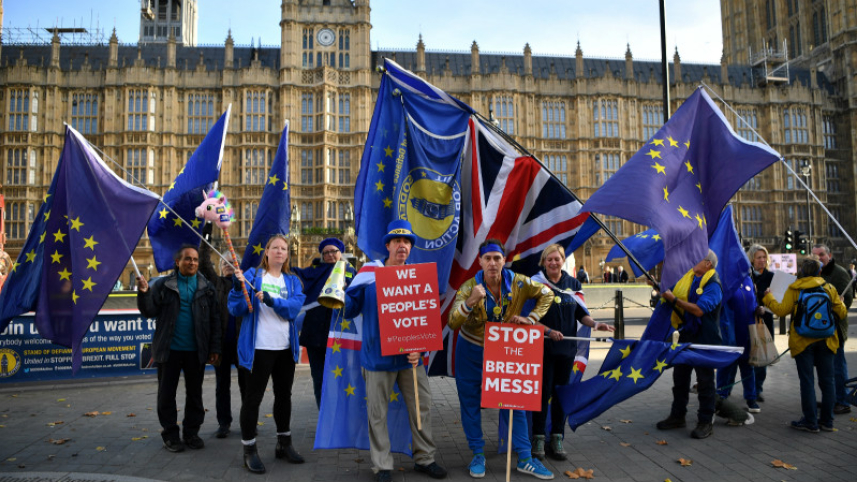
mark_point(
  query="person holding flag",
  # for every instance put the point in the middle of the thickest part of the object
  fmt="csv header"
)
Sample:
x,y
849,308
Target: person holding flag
x,y
381,372
317,318
696,302
495,294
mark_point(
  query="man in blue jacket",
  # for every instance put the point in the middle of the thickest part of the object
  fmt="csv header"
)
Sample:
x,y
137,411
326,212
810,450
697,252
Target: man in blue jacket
x,y
187,334
381,372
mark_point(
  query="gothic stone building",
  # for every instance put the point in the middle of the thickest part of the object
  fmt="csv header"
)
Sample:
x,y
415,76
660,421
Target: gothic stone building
x,y
147,106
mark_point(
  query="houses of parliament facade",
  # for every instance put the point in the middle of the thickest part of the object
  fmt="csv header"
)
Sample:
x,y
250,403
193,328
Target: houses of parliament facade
x,y
789,68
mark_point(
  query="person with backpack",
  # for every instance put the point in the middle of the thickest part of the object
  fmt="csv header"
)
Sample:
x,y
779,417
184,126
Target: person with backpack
x,y
815,306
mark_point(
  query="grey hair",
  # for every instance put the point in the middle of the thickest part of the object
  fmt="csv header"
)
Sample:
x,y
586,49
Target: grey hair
x,y
751,253
712,258
822,246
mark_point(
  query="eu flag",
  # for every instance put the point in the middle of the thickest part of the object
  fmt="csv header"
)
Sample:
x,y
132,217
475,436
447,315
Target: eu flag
x,y
87,229
169,232
679,182
410,169
274,212
647,247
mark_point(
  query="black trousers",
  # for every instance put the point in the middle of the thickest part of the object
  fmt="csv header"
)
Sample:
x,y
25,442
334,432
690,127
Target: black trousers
x,y
223,396
556,370
705,388
279,366
168,382
316,355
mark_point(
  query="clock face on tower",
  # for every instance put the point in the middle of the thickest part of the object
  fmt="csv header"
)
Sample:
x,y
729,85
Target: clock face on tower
x,y
326,37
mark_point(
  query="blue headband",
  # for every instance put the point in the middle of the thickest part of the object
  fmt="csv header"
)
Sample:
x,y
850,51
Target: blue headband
x,y
490,248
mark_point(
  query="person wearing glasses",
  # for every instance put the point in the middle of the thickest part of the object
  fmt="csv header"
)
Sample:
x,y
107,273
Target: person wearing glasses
x,y
316,321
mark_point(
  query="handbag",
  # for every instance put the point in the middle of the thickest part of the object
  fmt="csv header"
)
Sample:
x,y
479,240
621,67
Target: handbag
x,y
763,351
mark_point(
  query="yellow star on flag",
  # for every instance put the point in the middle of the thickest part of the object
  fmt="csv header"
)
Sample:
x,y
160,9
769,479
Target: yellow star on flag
x,y
388,202
666,195
56,257
661,169
349,390
74,297
177,222
47,215
88,284
172,185
337,372
163,213
65,274
656,237
635,374
76,224
394,397
653,154
575,368
257,249
90,242
46,197
31,256
388,152
195,223
699,220
335,347
657,142
616,374
626,352
661,364
699,186
687,144
285,186
346,324
15,266
379,186
92,263
381,166
683,212
273,179
674,346
673,142
606,374
689,166
42,237
59,236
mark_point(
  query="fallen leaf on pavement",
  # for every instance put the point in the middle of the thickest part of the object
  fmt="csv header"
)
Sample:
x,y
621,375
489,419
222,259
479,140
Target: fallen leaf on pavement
x,y
2,426
101,449
91,414
780,464
11,459
607,428
571,475
624,444
685,462
106,413
269,415
625,421
131,415
137,439
58,441
260,423
853,419
583,473
61,399
58,422
661,442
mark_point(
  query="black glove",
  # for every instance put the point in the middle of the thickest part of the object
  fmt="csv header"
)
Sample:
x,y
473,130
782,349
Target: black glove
x,y
266,298
236,283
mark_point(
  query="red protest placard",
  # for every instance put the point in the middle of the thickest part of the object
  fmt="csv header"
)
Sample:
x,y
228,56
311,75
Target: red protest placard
x,y
408,308
512,367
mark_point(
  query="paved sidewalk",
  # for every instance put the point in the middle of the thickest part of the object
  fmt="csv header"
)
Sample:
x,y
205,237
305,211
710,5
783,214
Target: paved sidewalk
x,y
122,443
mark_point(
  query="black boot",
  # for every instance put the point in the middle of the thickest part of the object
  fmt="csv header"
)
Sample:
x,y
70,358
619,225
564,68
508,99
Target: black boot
x,y
286,451
252,461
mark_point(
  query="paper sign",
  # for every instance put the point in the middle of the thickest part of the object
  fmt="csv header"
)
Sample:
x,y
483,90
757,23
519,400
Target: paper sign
x,y
786,262
512,367
780,283
408,309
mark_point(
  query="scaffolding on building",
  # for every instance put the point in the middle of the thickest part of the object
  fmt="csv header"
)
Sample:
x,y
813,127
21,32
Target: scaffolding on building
x,y
769,65
43,36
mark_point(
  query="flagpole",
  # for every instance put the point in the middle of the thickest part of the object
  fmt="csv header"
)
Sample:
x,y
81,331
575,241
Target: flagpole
x,y
509,448
509,139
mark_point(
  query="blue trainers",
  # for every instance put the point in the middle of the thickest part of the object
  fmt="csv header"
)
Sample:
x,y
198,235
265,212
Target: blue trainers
x,y
477,466
805,426
753,407
535,468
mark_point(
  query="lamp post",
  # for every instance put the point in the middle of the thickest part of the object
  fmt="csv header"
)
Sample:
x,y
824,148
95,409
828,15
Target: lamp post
x,y
295,233
805,171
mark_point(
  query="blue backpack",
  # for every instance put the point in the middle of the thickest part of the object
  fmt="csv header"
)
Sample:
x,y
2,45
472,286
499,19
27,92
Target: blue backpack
x,y
814,316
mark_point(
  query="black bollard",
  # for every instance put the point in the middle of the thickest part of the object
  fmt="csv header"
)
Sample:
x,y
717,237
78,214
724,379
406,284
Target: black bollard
x,y
783,325
619,317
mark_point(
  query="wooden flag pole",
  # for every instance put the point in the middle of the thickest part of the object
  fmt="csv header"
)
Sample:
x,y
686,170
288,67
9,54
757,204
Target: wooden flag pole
x,y
417,399
509,448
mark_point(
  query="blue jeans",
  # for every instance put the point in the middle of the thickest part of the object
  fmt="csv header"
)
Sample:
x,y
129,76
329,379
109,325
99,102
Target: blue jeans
x,y
840,368
726,376
468,380
819,356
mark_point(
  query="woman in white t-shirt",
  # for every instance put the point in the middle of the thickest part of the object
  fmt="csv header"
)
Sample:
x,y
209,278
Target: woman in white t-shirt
x,y
268,346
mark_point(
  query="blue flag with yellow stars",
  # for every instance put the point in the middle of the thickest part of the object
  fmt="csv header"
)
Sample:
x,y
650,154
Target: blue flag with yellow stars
x,y
167,231
647,247
410,169
679,182
87,229
630,367
342,420
274,212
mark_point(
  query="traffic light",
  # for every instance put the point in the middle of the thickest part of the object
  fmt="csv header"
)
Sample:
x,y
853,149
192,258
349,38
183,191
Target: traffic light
x,y
802,242
788,240
797,236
